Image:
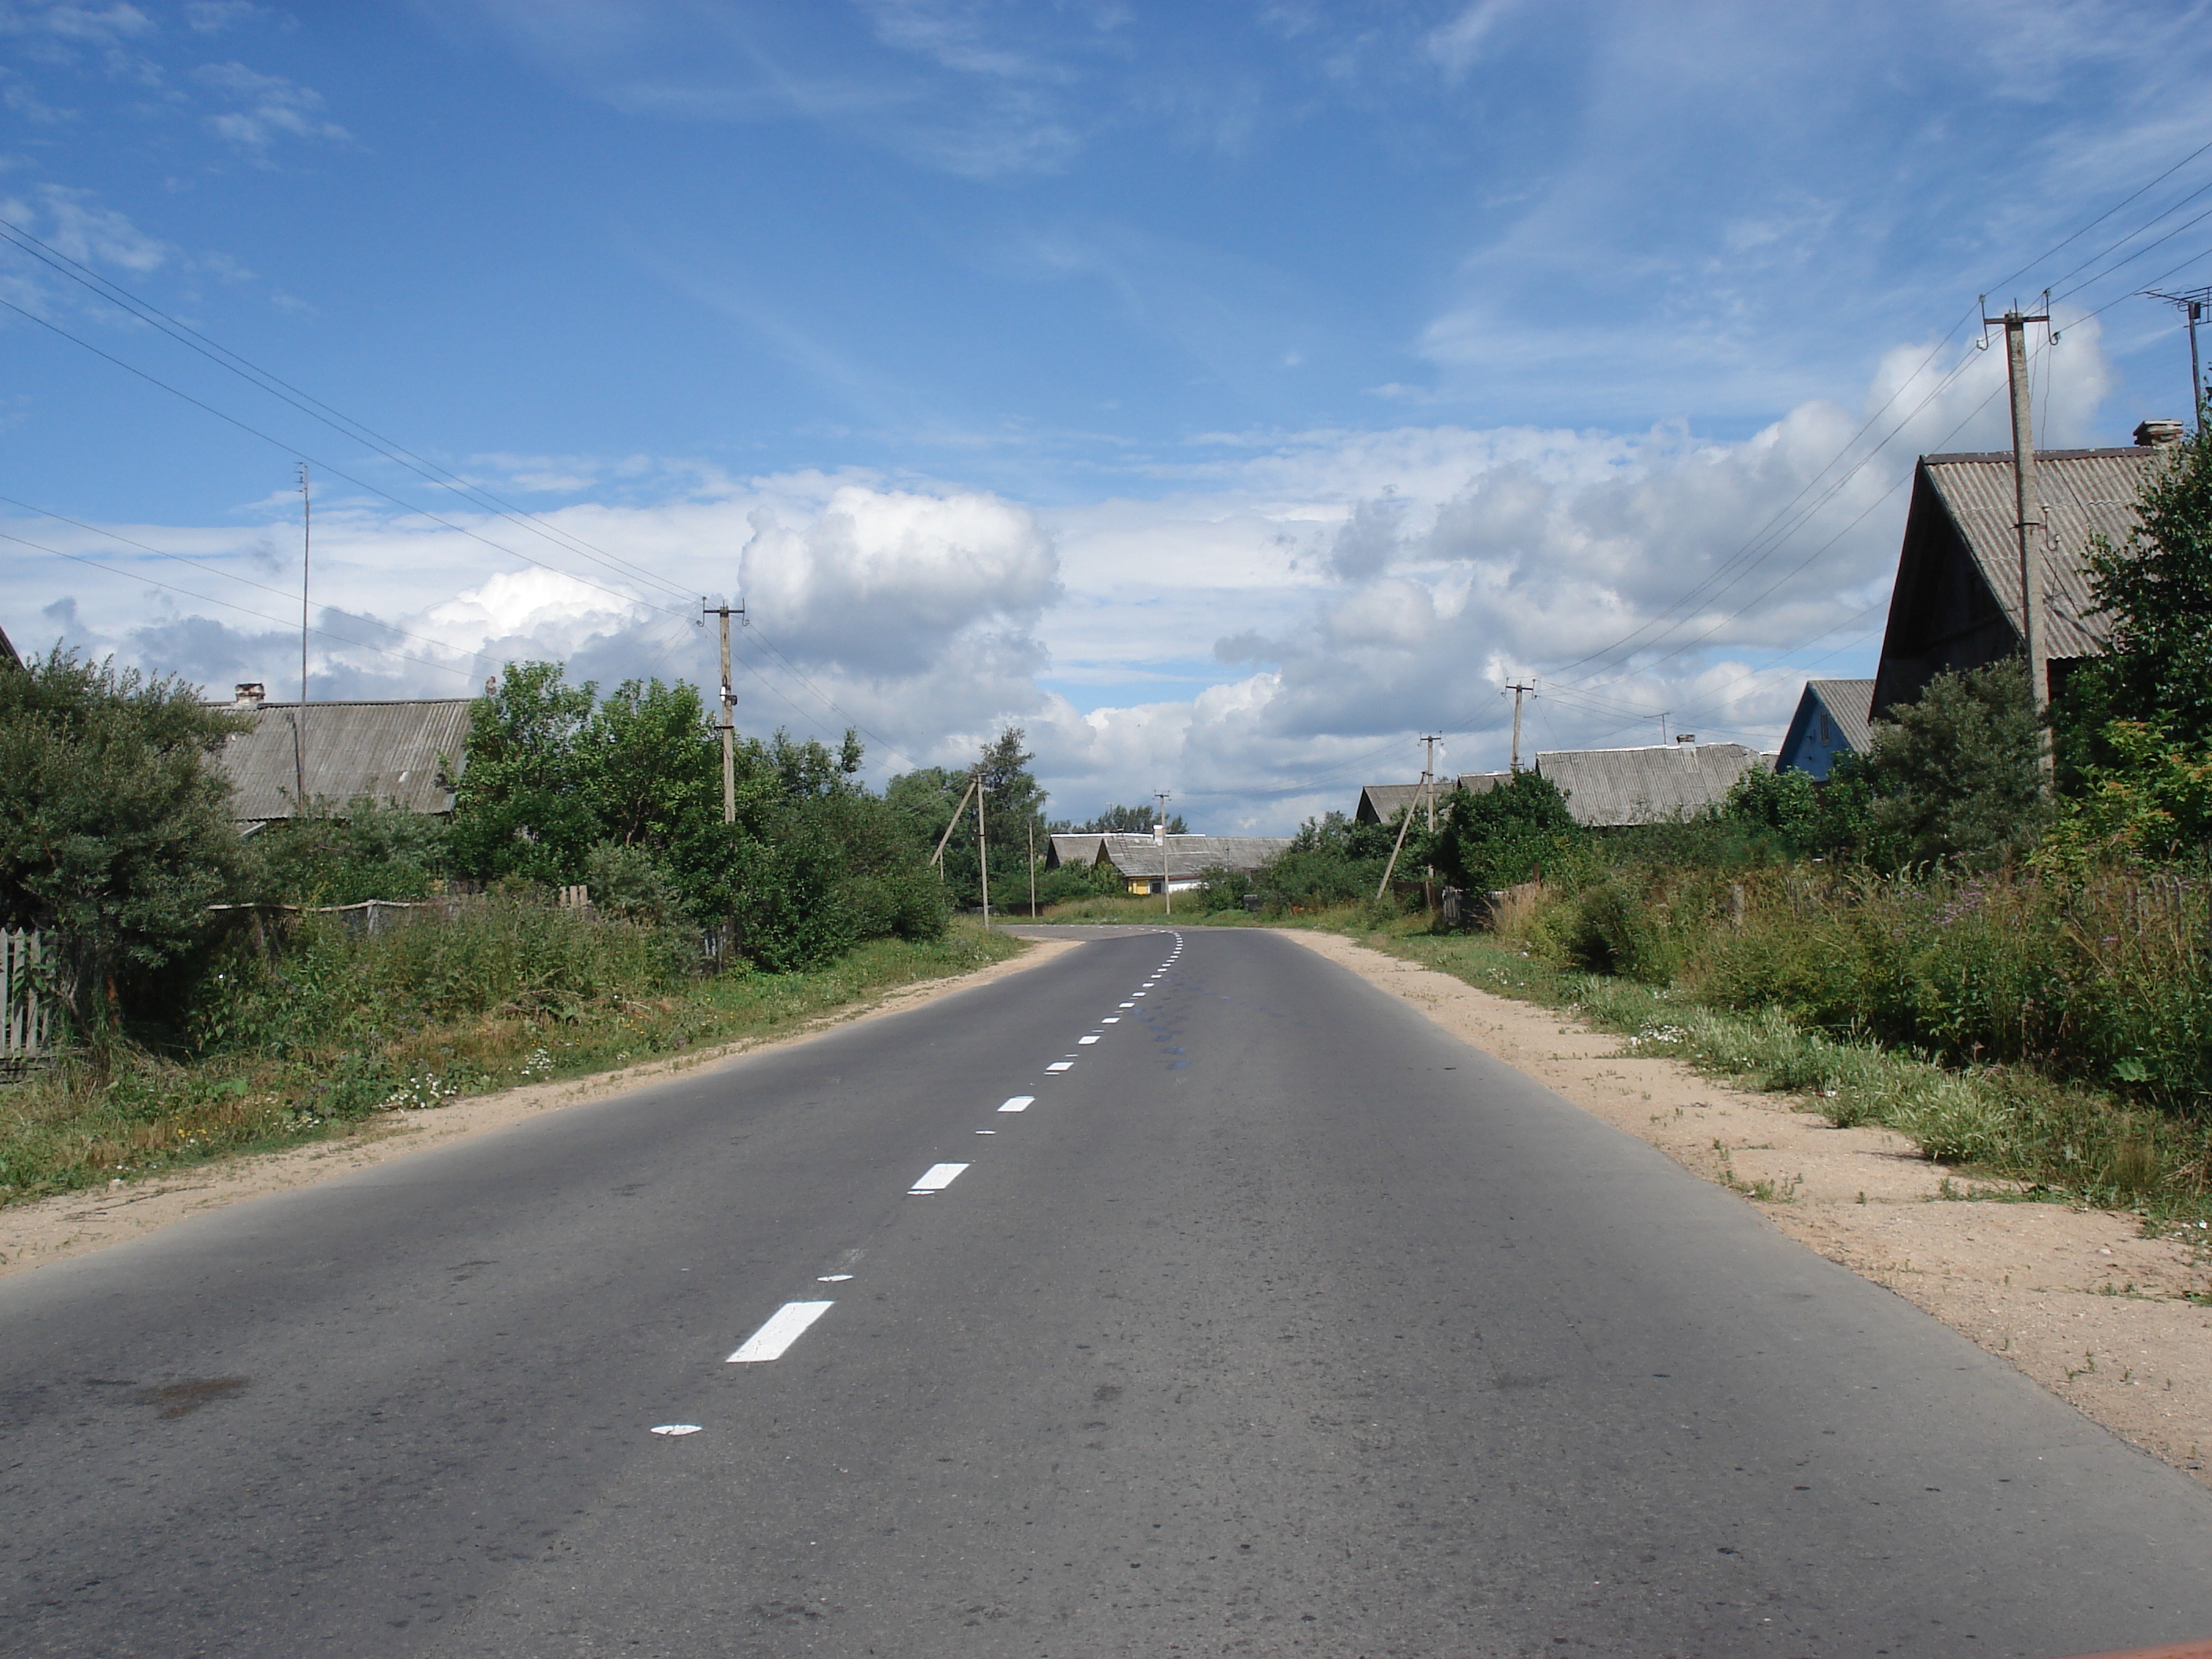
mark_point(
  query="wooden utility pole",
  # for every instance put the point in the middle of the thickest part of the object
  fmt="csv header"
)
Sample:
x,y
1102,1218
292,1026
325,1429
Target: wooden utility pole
x,y
1167,881
982,851
2035,531
1404,824
300,716
729,720
938,857
1517,690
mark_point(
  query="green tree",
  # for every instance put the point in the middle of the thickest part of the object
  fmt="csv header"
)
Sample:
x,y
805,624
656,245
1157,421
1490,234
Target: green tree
x,y
1512,833
115,826
521,809
1954,775
2155,592
1131,821
925,799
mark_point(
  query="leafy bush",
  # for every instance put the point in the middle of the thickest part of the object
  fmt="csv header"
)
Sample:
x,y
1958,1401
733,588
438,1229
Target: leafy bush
x,y
371,851
1520,830
1609,928
115,827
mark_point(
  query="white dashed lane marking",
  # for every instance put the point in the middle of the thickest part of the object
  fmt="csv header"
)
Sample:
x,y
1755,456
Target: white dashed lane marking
x,y
1019,1103
1061,1065
1093,1038
937,1177
785,1326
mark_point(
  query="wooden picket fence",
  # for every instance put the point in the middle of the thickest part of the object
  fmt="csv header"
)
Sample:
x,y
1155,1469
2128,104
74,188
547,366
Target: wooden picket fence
x,y
25,1020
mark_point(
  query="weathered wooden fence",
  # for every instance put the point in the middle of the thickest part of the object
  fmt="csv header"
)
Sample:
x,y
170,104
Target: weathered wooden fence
x,y
25,1017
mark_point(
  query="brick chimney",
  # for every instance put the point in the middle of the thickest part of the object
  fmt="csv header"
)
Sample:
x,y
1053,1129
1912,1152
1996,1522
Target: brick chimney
x,y
249,694
2159,434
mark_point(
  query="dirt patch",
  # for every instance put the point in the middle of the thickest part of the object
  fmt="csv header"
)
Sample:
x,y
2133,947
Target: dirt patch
x,y
53,1229
2077,1299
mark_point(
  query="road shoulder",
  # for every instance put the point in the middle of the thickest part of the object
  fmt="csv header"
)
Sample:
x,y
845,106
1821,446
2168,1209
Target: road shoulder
x,y
2076,1299
73,1223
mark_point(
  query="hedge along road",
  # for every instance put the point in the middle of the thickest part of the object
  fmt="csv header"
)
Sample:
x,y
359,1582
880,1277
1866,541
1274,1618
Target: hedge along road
x,y
1271,1321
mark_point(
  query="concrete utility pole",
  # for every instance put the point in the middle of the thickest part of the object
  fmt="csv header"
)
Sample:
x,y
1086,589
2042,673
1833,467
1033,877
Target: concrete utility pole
x,y
729,722
1028,828
2192,302
982,850
2027,500
1665,715
1167,888
300,718
1517,690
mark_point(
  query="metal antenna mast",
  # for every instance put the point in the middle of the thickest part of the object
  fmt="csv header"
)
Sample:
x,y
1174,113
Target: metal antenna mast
x,y
300,716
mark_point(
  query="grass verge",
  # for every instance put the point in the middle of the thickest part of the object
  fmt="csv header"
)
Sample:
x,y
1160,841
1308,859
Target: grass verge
x,y
75,1125
2058,1140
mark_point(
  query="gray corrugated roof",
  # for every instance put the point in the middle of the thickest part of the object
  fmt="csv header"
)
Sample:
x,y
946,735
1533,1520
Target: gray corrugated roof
x,y
387,752
1077,848
1847,702
1139,855
1609,787
1381,803
2086,492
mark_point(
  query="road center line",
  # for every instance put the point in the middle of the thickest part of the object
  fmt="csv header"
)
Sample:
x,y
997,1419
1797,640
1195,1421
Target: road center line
x,y
1019,1103
1093,1037
1111,1019
1061,1065
937,1177
785,1326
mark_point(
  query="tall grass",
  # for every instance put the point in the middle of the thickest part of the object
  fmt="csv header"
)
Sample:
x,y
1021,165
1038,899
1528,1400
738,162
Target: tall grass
x,y
336,1028
1990,1021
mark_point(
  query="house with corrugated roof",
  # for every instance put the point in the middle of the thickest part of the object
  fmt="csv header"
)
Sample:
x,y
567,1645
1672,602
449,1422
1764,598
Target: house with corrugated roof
x,y
407,753
1181,861
1956,603
1381,803
1833,718
1608,788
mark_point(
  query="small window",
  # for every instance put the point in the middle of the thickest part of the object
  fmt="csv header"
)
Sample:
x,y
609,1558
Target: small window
x,y
1826,737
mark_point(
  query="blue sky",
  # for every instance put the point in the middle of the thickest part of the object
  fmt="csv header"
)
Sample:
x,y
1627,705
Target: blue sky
x,y
1224,393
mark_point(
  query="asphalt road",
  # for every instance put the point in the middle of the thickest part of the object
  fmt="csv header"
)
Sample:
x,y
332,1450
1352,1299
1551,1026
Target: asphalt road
x,y
1278,1323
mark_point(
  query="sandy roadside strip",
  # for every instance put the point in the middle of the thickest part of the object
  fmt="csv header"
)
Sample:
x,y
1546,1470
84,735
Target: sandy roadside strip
x,y
53,1229
2075,1298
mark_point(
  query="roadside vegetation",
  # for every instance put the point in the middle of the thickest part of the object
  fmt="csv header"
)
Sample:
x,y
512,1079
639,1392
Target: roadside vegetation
x,y
2023,987
212,992
340,1028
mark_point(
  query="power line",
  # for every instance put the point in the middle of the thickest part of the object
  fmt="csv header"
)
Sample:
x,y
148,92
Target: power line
x,y
292,449
264,381
213,570
209,598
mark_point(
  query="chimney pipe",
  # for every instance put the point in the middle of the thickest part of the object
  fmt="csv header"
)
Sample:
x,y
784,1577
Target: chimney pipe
x,y
249,694
2159,434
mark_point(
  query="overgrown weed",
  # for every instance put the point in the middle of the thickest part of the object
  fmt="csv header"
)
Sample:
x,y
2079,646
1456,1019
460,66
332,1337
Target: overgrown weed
x,y
348,1028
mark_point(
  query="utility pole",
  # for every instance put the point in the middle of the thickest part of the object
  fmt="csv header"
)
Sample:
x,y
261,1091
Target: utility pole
x,y
2028,502
1429,779
1028,826
1167,886
300,720
729,721
1665,716
1406,823
982,851
1517,690
2192,302
938,857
